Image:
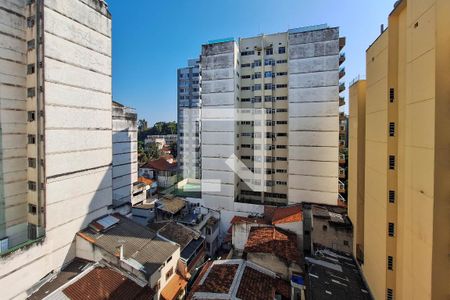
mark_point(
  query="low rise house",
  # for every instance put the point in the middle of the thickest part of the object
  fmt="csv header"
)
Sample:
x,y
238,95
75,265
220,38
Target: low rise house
x,y
192,245
144,212
133,248
164,172
238,279
275,249
170,208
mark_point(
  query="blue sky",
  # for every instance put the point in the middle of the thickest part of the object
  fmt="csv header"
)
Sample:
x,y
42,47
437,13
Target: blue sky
x,y
152,38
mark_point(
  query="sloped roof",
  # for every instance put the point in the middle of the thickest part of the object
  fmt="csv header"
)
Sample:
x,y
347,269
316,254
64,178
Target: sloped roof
x,y
147,181
249,220
284,214
105,283
273,240
160,164
171,205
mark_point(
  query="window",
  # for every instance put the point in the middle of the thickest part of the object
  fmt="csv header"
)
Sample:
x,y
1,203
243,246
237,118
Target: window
x,y
30,21
32,162
281,73
32,185
257,99
30,69
245,65
31,92
282,61
345,243
281,122
31,139
391,229
169,259
246,76
245,100
269,62
157,286
269,51
281,50
268,86
391,162
32,209
268,98
257,87
391,95
31,45
245,53
169,273
282,98
282,158
31,116
391,196
281,147
281,183
279,86
282,110
281,134
245,88
268,74
389,294
257,75
256,63
390,263
391,129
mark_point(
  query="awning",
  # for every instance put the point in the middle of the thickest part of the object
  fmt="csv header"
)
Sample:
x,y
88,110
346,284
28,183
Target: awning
x,y
173,288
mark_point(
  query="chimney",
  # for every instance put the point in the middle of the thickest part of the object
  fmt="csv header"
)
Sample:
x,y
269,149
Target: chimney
x,y
381,28
120,250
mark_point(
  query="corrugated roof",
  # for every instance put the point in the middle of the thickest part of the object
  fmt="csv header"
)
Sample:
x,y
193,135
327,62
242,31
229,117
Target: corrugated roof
x,y
139,243
160,164
171,205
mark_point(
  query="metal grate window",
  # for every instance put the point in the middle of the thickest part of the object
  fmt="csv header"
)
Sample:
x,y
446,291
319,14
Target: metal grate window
x,y
391,129
32,162
390,263
391,162
391,229
389,294
391,95
31,139
31,92
391,196
31,116
32,185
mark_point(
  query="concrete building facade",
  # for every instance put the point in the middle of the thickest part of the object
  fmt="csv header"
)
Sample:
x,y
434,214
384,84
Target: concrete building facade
x,y
189,120
55,141
406,188
270,106
125,165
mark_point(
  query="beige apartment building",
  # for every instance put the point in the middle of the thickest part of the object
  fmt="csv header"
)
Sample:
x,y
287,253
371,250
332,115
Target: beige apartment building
x,y
55,133
403,228
272,102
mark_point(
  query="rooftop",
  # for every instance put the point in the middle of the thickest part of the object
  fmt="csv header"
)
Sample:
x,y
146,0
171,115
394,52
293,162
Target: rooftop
x,y
334,275
282,215
141,246
160,164
188,239
171,205
237,278
272,240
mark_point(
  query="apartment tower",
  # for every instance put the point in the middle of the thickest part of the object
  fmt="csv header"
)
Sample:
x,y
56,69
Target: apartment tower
x,y
189,123
55,133
407,138
270,118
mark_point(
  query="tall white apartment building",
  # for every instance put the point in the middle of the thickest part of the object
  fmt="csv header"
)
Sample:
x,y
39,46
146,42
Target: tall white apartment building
x,y
189,120
55,133
270,118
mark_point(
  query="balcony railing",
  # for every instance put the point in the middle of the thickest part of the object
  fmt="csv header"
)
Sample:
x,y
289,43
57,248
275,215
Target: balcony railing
x,y
342,159
341,58
341,87
341,187
341,173
341,72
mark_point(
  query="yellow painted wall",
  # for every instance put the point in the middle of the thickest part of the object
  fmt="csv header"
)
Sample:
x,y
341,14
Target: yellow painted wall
x,y
356,154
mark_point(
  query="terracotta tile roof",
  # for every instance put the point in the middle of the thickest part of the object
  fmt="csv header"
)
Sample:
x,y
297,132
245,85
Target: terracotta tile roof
x,y
287,214
173,287
276,241
160,164
105,283
219,279
239,219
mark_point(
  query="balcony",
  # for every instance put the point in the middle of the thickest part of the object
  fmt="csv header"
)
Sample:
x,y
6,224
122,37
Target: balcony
x,y
341,87
341,186
342,144
342,172
342,158
341,43
341,72
341,101
342,116
341,58
342,128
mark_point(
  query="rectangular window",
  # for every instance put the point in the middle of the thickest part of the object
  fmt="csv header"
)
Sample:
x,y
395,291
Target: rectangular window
x,y
390,263
31,45
281,183
279,86
257,87
282,61
281,147
246,65
257,99
31,92
32,209
391,95
30,21
282,158
31,185
246,76
256,63
267,86
268,98
245,100
269,62
391,129
282,98
31,116
245,53
281,122
169,273
281,171
281,134
281,73
30,69
391,229
391,196
245,88
31,139
391,162
281,50
269,51
32,162
268,74
282,110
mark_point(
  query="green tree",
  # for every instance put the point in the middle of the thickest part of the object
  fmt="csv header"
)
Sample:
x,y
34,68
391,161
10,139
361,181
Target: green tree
x,y
153,151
